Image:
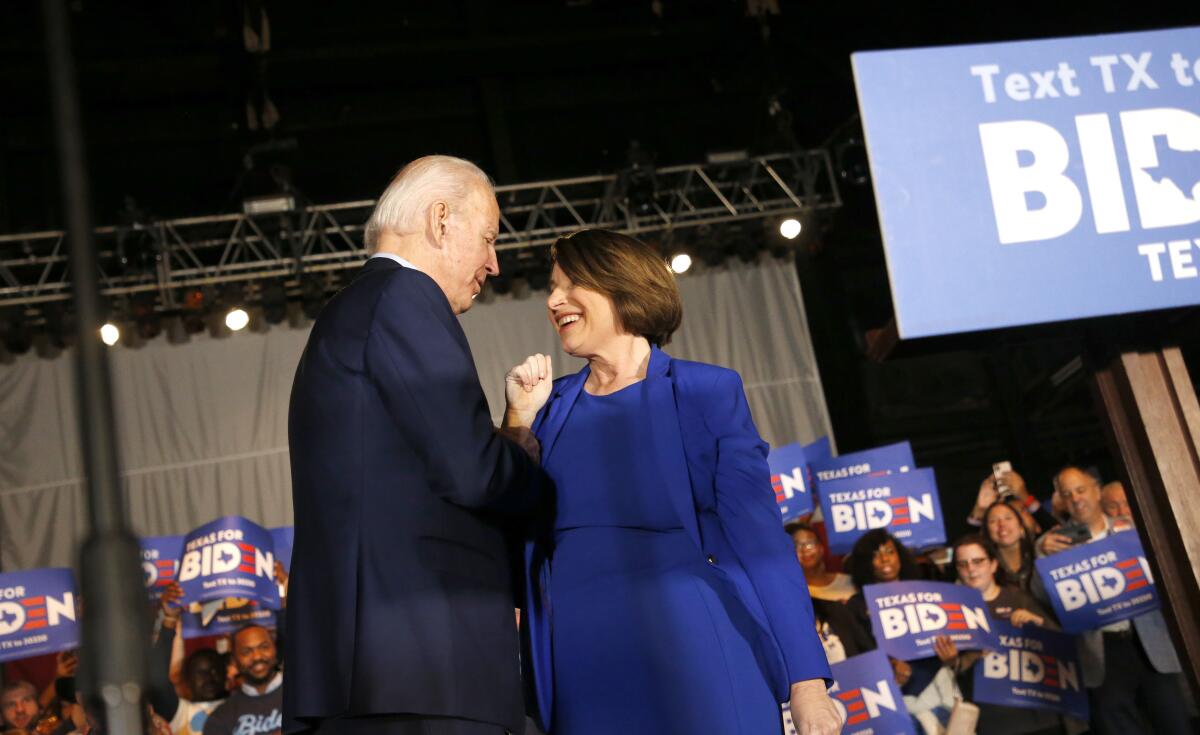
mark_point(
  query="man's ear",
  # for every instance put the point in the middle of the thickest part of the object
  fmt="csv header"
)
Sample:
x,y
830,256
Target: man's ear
x,y
439,223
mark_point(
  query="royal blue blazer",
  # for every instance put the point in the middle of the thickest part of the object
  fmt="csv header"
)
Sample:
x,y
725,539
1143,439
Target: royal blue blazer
x,y
717,476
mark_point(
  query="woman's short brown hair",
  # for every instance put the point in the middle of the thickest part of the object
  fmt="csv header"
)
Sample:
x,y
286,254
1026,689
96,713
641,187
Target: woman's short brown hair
x,y
630,273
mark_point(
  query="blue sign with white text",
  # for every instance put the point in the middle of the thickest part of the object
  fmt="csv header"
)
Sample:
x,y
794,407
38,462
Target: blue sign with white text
x,y
1033,668
227,620
905,503
865,691
790,476
896,457
907,616
229,557
1099,583
1004,172
160,562
37,613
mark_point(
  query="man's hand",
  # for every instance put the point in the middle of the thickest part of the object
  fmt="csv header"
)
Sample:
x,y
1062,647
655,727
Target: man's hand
x,y
1016,483
281,578
813,712
1052,543
526,389
525,439
169,602
66,663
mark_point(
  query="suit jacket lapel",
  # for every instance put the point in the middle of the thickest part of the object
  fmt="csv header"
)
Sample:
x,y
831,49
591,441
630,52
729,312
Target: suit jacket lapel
x,y
668,440
664,428
554,417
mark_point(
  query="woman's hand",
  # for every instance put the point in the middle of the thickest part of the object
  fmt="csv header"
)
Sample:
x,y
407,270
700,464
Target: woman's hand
x,y
526,389
813,712
901,670
1021,617
987,495
945,649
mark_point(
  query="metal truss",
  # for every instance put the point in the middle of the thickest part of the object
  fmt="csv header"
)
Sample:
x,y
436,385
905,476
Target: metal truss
x,y
170,255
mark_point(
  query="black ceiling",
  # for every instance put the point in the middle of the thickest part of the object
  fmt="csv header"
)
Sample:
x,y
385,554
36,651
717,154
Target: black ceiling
x,y
531,89
555,88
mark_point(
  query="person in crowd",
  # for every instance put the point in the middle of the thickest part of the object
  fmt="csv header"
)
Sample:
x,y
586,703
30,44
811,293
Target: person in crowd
x,y
1003,527
822,583
1113,501
1015,492
676,603
878,558
402,485
203,675
841,633
257,707
1130,667
23,713
19,706
979,566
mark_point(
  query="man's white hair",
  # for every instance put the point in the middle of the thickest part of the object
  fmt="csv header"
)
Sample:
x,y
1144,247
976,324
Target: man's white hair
x,y
406,201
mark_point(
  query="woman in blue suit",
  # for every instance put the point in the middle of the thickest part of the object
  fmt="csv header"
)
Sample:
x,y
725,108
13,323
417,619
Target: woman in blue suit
x,y
663,595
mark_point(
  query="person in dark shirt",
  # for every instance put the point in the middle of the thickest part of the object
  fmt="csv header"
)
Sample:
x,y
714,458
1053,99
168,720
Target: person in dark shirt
x,y
256,708
978,564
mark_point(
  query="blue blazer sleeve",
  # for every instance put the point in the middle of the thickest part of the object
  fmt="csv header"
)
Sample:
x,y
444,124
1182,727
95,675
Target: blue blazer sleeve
x,y
418,356
750,518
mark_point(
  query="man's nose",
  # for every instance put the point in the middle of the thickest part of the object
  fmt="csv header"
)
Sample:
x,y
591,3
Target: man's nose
x,y
493,263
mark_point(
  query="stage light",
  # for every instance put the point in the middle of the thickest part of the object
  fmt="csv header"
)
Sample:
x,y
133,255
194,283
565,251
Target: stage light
x,y
237,319
109,334
680,262
790,228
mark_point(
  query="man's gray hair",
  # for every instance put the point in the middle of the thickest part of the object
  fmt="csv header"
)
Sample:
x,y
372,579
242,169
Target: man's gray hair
x,y
404,204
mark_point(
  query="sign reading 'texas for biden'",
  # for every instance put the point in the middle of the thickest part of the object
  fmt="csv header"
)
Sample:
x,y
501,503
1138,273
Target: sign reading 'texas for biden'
x,y
1034,668
1036,181
907,616
1096,584
230,557
790,475
905,503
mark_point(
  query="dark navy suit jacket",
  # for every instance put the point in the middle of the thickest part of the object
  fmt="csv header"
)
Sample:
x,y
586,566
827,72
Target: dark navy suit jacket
x,y
718,481
400,598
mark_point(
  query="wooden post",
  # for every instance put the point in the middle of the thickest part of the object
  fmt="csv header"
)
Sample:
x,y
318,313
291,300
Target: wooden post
x,y
1154,427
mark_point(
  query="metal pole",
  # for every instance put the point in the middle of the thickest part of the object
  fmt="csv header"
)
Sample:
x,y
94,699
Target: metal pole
x,y
115,629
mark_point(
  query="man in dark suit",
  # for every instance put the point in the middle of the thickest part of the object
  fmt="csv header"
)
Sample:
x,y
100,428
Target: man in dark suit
x,y
400,610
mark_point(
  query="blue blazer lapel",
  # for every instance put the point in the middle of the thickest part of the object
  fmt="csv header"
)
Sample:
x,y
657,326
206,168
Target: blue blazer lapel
x,y
553,417
668,439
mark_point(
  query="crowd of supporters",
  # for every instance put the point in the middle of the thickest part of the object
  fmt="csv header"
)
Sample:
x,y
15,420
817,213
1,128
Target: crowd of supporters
x,y
1130,668
1144,692
235,691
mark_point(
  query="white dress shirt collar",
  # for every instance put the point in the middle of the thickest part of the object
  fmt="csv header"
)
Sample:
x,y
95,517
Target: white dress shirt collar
x,y
397,258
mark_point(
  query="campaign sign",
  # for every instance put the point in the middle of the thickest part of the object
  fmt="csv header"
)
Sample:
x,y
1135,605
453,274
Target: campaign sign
x,y
907,616
227,621
865,692
1102,582
1000,168
37,613
892,457
905,503
229,557
284,537
1034,668
790,476
160,562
